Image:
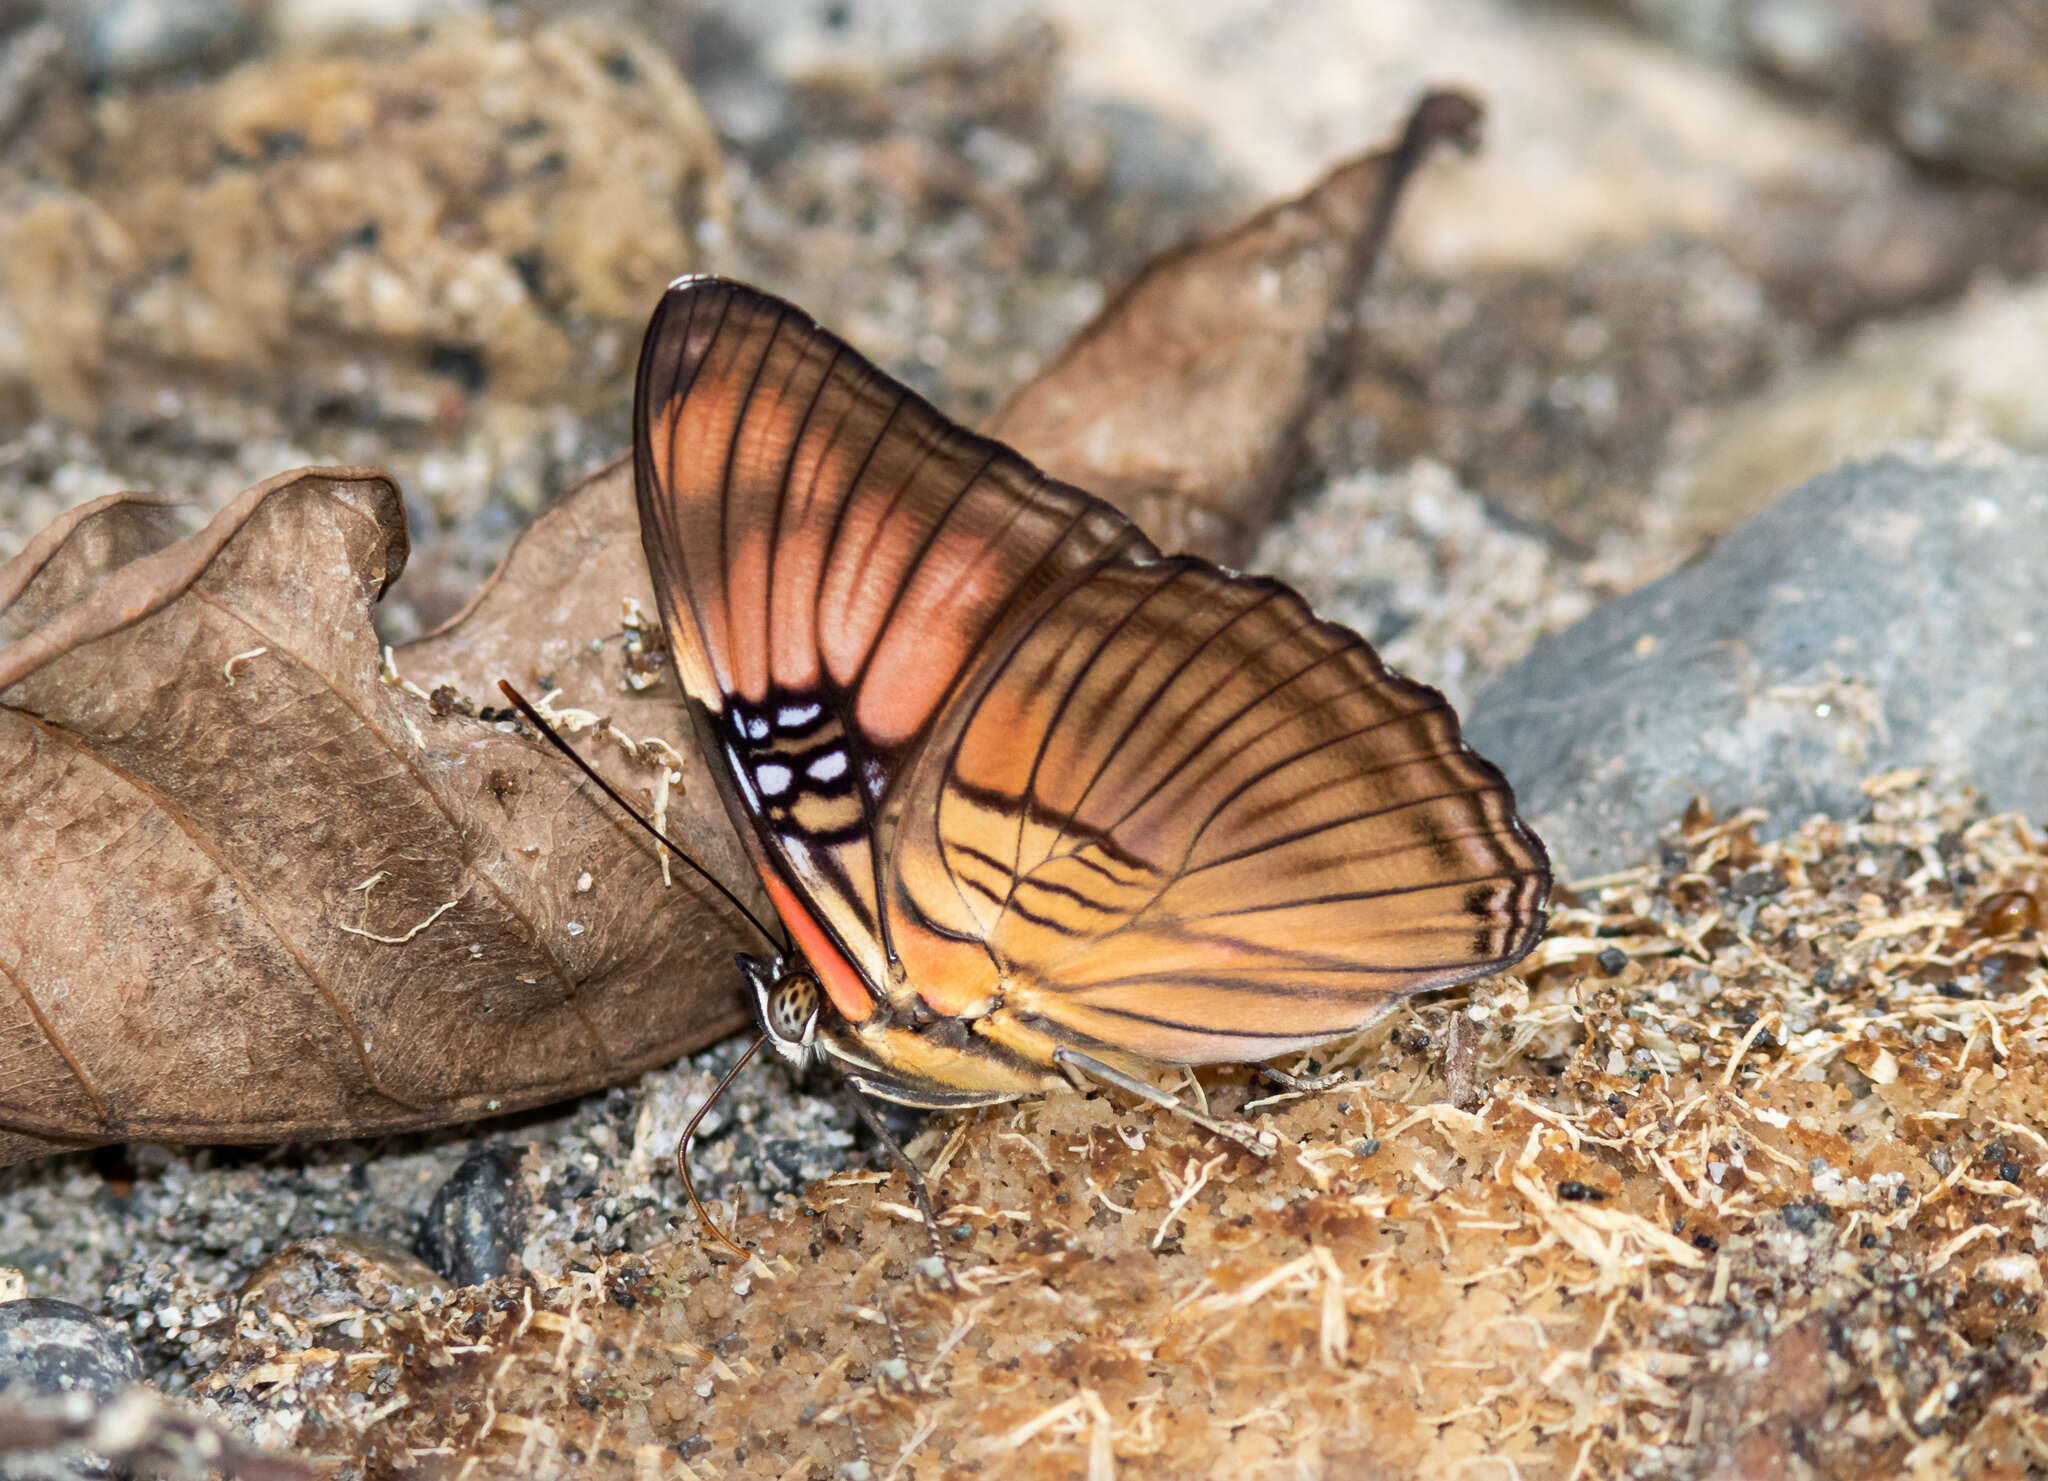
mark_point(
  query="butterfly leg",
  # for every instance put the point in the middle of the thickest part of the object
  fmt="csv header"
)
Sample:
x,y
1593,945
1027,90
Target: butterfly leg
x,y
1074,1061
896,1370
919,1193
1286,1081
860,1442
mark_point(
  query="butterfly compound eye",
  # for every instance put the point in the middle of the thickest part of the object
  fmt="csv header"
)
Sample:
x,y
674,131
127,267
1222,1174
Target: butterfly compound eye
x,y
793,1009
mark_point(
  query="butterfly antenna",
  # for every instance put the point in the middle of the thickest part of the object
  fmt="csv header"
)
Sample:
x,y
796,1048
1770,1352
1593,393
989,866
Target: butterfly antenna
x,y
533,718
683,1152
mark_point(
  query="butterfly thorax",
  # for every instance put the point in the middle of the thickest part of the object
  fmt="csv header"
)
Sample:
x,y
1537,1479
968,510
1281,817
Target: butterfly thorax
x,y
910,1057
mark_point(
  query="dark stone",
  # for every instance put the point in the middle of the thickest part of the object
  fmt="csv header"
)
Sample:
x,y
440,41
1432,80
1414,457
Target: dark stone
x,y
1756,883
459,363
1804,1218
1890,613
477,1221
783,1162
53,1347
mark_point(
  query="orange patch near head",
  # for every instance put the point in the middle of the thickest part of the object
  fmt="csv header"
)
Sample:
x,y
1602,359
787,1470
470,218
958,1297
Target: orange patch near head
x,y
849,992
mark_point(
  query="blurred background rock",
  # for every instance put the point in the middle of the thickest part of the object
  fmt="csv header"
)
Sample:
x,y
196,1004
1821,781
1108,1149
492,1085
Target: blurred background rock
x,y
240,237
241,234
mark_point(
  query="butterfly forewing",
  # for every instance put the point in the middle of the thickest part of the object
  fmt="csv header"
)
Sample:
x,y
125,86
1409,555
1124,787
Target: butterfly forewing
x,y
1191,820
832,556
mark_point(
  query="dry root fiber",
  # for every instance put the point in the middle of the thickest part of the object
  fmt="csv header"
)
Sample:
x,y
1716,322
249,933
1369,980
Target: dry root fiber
x,y
1743,1180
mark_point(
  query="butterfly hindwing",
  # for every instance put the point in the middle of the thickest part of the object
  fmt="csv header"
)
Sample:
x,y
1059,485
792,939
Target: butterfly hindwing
x,y
1193,821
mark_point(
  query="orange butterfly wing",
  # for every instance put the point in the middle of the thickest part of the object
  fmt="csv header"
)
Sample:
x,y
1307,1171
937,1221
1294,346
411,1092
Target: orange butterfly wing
x,y
831,555
991,751
1192,821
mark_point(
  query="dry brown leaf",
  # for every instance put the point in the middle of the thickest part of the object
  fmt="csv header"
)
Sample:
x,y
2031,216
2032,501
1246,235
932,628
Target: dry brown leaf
x,y
251,891
553,617
1182,403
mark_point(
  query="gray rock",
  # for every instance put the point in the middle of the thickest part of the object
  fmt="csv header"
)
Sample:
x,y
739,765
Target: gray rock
x,y
1891,613
53,1347
128,39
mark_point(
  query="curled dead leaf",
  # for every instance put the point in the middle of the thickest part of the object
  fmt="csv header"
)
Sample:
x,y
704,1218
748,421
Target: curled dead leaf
x,y
251,891
1183,402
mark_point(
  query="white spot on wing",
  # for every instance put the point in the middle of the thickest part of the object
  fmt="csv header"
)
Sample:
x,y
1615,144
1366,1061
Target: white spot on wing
x,y
795,717
829,767
773,778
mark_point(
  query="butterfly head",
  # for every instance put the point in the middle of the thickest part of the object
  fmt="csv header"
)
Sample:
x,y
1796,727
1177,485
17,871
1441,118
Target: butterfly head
x,y
789,1004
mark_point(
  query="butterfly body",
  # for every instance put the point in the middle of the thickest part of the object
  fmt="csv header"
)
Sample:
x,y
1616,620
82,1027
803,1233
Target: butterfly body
x,y
1031,797
916,1060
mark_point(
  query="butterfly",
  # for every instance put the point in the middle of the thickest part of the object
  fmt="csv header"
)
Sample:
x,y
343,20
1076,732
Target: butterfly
x,y
1035,801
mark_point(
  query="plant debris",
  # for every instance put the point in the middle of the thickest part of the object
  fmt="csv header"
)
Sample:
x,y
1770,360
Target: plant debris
x,y
1750,1188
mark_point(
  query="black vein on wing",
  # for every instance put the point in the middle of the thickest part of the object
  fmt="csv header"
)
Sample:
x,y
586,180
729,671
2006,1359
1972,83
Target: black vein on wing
x,y
725,555
1105,636
1143,711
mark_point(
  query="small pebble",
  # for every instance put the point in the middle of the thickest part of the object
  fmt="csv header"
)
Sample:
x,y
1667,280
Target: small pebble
x,y
312,1280
53,1347
1803,1217
477,1221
